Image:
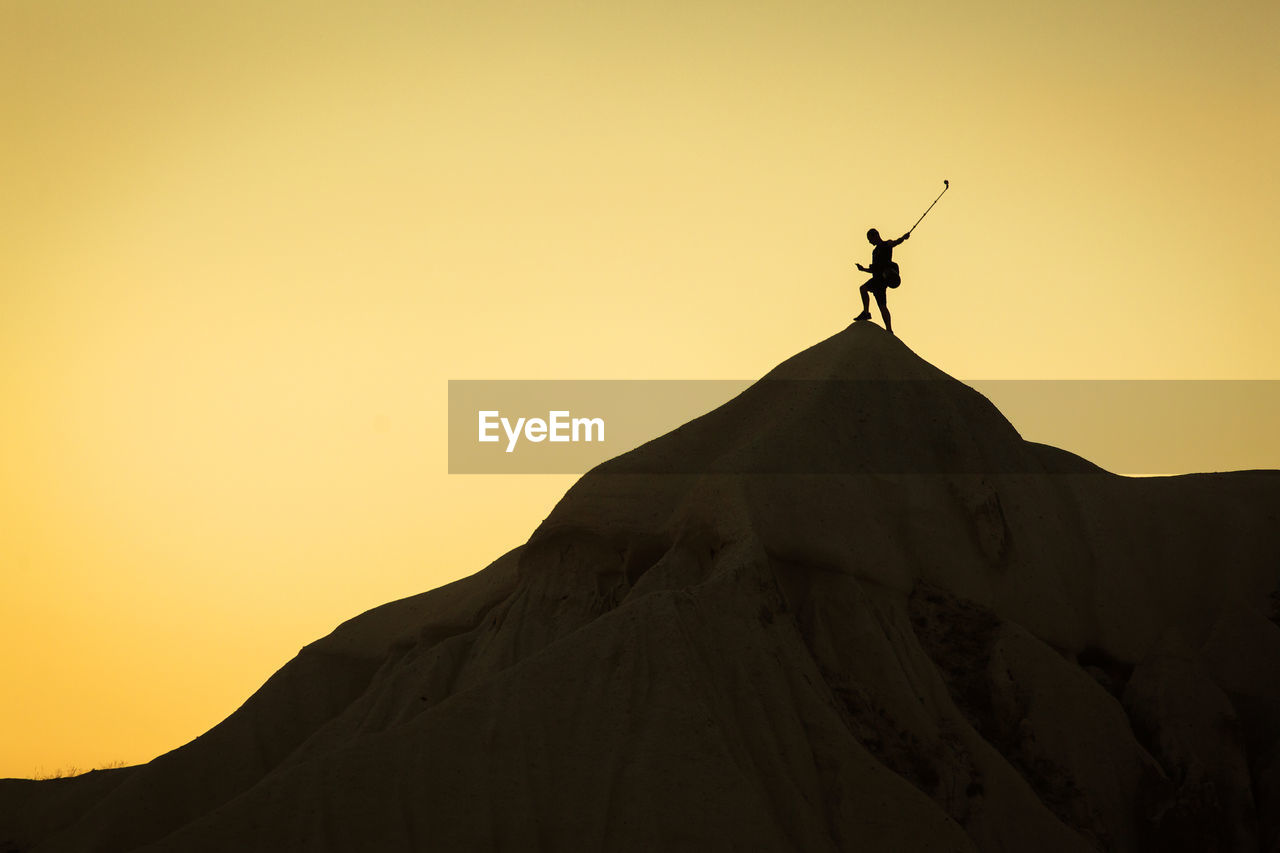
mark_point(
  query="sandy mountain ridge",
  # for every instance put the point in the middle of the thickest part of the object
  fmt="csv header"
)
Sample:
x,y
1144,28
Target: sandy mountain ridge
x,y
864,614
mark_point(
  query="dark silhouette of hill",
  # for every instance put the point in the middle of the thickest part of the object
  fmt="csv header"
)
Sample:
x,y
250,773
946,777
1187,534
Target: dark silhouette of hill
x,y
862,614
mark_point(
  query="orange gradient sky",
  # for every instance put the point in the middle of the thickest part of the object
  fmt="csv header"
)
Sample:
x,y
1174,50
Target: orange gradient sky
x,y
244,245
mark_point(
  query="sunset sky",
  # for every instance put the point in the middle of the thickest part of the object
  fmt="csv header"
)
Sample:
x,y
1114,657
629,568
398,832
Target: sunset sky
x,y
245,245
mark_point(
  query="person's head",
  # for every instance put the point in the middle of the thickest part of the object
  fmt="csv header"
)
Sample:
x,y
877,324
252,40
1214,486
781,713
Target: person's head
x,y
873,237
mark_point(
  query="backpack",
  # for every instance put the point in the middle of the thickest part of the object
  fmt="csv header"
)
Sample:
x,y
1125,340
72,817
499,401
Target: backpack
x,y
891,276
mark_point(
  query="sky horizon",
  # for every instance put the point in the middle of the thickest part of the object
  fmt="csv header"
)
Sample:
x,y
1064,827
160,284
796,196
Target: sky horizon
x,y
246,248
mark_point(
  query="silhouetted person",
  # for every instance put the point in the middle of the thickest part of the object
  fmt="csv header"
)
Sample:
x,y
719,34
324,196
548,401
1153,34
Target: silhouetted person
x,y
884,274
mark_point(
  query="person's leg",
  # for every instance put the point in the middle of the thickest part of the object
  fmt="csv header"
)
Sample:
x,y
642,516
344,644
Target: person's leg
x,y
882,301
866,303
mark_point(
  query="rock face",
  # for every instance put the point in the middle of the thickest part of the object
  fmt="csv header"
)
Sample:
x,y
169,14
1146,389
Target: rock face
x,y
851,609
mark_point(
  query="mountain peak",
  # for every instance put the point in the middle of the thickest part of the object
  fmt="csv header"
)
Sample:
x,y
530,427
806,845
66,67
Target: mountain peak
x,y
861,351
859,401
849,609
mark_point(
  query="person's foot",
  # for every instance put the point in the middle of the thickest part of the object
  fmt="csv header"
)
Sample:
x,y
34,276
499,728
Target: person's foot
x,y
865,315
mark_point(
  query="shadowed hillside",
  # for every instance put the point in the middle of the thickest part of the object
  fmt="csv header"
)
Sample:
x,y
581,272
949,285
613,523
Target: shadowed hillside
x,y
851,609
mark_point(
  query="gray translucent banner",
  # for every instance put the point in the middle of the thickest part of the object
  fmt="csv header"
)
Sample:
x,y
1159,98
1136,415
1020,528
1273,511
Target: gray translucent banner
x,y
1136,427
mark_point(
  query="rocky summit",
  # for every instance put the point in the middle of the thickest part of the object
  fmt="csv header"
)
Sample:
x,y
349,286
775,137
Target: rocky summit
x,y
850,609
